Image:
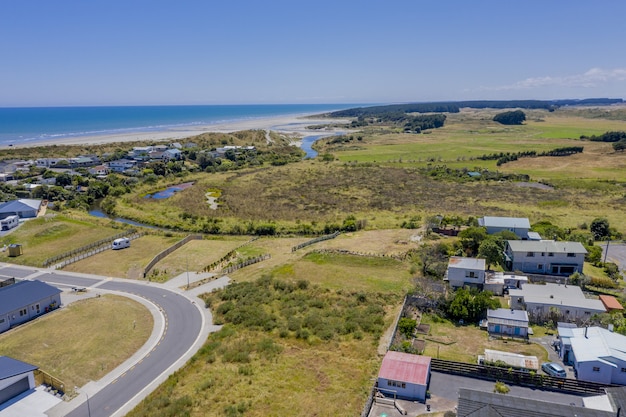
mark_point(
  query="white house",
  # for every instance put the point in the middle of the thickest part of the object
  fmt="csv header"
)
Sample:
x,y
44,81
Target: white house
x,y
507,322
518,225
121,165
15,378
26,300
567,301
547,257
497,282
597,354
404,375
465,271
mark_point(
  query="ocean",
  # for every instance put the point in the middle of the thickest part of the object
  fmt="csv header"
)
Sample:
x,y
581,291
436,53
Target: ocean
x,y
31,124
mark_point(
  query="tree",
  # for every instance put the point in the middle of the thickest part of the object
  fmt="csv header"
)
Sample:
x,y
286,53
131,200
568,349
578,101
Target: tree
x,y
470,305
600,228
406,326
434,259
471,238
515,117
491,251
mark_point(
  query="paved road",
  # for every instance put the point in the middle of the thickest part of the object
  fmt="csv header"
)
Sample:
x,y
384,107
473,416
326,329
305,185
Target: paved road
x,y
616,254
184,331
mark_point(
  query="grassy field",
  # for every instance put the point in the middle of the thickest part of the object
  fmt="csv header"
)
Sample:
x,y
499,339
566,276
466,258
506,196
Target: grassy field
x,y
465,343
126,263
75,343
52,235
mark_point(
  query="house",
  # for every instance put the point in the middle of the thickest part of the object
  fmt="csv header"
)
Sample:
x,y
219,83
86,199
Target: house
x,y
564,302
514,360
24,208
498,282
99,170
519,226
597,354
507,322
404,375
25,301
547,257
610,303
465,271
172,155
482,403
121,165
16,377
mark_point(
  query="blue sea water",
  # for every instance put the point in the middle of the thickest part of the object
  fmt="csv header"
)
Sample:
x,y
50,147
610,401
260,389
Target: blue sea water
x,y
25,125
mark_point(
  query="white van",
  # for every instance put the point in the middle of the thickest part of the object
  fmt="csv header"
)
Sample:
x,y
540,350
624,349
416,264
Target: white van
x,y
121,243
10,222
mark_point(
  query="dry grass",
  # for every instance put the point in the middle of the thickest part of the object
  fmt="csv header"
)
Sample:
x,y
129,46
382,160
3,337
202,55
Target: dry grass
x,y
469,341
125,263
83,341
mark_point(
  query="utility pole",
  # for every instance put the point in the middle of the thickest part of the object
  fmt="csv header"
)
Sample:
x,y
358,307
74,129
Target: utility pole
x,y
187,272
606,253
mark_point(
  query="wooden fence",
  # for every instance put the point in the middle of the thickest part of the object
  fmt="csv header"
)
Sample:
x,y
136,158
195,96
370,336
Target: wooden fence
x,y
42,377
167,251
515,377
312,241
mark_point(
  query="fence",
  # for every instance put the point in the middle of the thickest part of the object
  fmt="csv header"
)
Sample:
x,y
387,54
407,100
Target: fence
x,y
7,282
92,252
230,254
317,239
167,251
42,377
523,378
87,248
245,263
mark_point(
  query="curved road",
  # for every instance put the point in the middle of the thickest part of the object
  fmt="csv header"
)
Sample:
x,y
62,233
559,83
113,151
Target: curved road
x,y
184,324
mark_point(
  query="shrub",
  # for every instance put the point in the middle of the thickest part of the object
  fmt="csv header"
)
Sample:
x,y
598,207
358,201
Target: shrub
x,y
501,388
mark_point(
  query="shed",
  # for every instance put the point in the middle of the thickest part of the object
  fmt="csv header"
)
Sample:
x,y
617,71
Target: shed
x,y
15,249
404,375
503,321
15,378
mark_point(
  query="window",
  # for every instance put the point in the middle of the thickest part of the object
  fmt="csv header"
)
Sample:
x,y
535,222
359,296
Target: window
x,y
543,254
2,321
550,253
470,274
623,369
539,266
396,384
596,369
37,308
23,312
530,254
571,255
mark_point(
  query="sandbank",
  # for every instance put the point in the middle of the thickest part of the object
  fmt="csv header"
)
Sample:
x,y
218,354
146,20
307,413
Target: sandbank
x,y
295,124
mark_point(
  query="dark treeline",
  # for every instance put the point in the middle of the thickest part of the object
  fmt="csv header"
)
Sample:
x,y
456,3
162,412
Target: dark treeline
x,y
504,157
606,137
455,106
515,117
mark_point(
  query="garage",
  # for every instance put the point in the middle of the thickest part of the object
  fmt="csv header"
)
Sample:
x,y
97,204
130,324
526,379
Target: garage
x,y
16,377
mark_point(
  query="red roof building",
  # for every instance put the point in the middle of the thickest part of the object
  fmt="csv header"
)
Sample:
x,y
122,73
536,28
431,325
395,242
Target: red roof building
x,y
404,375
611,303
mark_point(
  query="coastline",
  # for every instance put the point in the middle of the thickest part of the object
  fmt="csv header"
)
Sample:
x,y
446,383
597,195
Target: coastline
x,y
288,124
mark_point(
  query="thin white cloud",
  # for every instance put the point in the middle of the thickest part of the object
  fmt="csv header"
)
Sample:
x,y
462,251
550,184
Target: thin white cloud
x,y
590,79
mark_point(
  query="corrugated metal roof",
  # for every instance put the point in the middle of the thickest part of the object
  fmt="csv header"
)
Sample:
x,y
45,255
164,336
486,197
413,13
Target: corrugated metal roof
x,y
556,295
16,296
405,367
466,263
507,314
610,302
20,205
598,344
546,246
505,222
10,367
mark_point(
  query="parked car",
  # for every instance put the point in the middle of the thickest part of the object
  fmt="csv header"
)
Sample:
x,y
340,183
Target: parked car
x,y
554,369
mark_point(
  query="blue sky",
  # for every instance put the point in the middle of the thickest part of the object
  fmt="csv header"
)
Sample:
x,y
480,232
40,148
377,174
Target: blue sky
x,y
135,52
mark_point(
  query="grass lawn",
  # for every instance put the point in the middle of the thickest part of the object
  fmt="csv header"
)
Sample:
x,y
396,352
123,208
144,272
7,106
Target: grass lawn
x,y
125,263
83,341
465,343
48,236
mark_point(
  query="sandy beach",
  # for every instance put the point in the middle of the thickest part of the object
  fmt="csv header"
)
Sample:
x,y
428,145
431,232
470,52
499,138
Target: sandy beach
x,y
285,124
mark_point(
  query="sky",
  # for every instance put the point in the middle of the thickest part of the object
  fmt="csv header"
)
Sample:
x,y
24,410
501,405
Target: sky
x,y
152,52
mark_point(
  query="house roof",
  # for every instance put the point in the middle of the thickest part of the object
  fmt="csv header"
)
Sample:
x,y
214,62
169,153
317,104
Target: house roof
x,y
10,367
533,236
546,246
610,302
597,344
474,403
16,296
23,204
466,263
505,222
515,317
405,367
557,295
